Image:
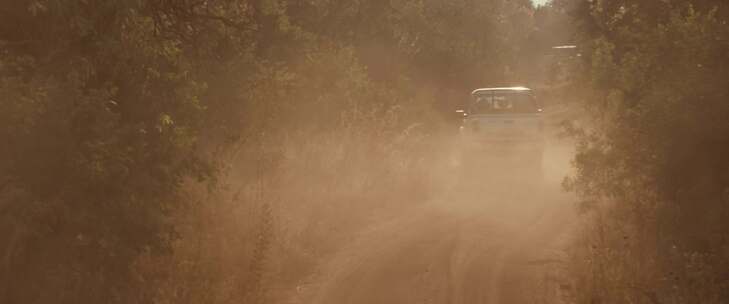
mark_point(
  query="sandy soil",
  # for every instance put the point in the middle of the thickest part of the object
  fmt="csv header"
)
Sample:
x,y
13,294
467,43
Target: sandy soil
x,y
492,238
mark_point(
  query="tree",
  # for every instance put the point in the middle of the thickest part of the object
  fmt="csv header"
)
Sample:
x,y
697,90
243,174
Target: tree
x,y
115,112
652,167
101,120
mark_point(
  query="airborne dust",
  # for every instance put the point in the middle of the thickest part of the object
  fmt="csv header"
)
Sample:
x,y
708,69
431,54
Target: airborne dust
x,y
281,151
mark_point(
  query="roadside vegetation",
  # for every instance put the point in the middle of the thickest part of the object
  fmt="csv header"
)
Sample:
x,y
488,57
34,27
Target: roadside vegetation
x,y
218,151
653,163
215,151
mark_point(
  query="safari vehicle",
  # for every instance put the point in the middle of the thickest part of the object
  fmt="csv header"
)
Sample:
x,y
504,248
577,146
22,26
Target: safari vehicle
x,y
502,122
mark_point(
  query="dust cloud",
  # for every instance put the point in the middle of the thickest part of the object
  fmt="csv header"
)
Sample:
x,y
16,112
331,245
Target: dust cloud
x,y
494,233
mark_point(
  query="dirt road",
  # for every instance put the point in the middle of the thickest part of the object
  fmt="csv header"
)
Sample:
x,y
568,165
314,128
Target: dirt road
x,y
490,239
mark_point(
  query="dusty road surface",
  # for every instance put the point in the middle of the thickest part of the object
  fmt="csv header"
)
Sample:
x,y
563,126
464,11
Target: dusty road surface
x,y
494,237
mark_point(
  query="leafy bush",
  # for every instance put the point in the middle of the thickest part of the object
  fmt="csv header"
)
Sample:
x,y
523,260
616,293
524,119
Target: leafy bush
x,y
182,151
652,168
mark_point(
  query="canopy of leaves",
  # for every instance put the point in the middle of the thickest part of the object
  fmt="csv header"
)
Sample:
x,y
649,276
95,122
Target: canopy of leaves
x,y
653,164
110,109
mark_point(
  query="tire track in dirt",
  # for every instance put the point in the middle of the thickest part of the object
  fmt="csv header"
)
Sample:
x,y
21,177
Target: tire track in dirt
x,y
436,256
477,244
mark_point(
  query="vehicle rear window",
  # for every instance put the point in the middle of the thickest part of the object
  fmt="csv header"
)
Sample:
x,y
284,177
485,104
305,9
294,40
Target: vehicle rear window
x,y
504,103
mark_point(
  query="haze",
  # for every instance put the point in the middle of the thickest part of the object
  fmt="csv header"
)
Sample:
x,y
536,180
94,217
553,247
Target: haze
x,y
343,152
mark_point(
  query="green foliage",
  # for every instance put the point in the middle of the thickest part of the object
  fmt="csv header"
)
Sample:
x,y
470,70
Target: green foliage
x,y
653,165
127,125
101,118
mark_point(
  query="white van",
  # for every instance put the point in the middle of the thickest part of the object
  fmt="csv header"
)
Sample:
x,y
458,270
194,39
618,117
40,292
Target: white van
x,y
503,122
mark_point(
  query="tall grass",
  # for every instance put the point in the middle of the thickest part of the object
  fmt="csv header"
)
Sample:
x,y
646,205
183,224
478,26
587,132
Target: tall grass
x,y
288,201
